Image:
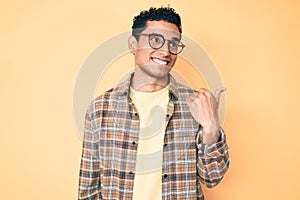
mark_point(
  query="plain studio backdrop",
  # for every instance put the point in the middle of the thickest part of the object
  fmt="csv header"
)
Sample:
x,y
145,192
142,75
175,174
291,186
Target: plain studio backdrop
x,y
254,45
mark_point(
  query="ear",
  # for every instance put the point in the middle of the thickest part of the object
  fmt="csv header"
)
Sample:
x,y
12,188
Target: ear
x,y
132,44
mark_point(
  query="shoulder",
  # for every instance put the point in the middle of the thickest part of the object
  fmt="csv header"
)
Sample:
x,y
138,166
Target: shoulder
x,y
179,90
183,92
98,104
111,96
183,89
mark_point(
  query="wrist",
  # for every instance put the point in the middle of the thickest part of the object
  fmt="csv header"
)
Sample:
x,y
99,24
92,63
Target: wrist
x,y
210,135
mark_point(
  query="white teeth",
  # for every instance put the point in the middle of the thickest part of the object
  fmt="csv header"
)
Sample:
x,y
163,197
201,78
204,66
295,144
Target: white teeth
x,y
160,62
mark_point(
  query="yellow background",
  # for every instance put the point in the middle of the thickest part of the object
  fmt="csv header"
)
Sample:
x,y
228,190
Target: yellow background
x,y
255,45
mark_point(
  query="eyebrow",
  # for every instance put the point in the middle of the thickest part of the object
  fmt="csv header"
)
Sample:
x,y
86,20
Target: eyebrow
x,y
173,38
176,38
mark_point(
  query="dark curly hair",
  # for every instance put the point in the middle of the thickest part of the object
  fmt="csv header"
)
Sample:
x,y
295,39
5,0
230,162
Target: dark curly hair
x,y
155,14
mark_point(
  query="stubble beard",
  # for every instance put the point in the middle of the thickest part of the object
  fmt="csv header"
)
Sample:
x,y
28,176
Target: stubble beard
x,y
160,73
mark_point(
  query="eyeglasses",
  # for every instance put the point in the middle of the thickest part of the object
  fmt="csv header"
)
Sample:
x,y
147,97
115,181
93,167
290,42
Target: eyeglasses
x,y
157,41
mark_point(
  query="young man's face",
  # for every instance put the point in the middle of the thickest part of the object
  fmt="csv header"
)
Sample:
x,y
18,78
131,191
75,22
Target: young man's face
x,y
153,61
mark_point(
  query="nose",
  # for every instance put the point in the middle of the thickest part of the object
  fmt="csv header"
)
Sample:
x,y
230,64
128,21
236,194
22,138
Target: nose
x,y
165,48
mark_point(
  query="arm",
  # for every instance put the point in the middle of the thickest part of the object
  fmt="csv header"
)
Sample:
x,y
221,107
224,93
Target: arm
x,y
89,178
213,158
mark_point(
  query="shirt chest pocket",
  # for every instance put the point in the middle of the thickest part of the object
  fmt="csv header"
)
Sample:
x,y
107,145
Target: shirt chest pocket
x,y
118,149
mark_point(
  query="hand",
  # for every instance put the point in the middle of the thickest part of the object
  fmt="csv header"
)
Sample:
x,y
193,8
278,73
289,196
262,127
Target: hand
x,y
204,108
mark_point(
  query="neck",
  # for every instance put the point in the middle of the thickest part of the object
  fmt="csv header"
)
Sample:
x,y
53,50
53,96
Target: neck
x,y
143,84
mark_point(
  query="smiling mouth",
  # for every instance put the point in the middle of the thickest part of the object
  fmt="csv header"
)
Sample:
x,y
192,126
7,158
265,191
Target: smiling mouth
x,y
159,61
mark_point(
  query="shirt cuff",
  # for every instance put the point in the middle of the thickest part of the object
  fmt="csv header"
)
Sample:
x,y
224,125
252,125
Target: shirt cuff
x,y
215,150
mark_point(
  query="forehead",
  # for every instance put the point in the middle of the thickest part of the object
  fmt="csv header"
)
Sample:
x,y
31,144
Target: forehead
x,y
162,27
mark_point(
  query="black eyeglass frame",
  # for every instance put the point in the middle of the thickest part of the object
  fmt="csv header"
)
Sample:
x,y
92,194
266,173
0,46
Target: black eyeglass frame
x,y
180,44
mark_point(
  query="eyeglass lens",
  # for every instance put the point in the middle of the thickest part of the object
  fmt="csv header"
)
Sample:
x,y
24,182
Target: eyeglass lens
x,y
156,41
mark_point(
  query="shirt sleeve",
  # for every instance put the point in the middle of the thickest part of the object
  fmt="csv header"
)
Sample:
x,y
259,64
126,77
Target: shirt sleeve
x,y
213,161
89,177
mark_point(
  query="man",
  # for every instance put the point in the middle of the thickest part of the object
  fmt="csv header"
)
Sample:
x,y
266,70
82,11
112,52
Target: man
x,y
150,137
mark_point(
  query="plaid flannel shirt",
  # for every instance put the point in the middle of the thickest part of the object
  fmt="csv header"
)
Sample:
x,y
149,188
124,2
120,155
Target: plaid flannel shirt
x,y
110,148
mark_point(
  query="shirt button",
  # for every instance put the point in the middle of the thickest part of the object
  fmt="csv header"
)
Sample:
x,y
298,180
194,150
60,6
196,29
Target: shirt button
x,y
165,145
131,172
165,175
168,115
135,114
133,143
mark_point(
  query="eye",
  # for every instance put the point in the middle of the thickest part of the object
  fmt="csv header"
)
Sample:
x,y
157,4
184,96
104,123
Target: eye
x,y
156,39
173,44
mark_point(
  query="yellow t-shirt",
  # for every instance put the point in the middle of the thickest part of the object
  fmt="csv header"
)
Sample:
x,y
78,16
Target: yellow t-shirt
x,y
151,107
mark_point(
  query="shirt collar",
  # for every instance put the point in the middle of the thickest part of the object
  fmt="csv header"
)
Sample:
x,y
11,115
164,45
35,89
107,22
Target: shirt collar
x,y
173,88
123,88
